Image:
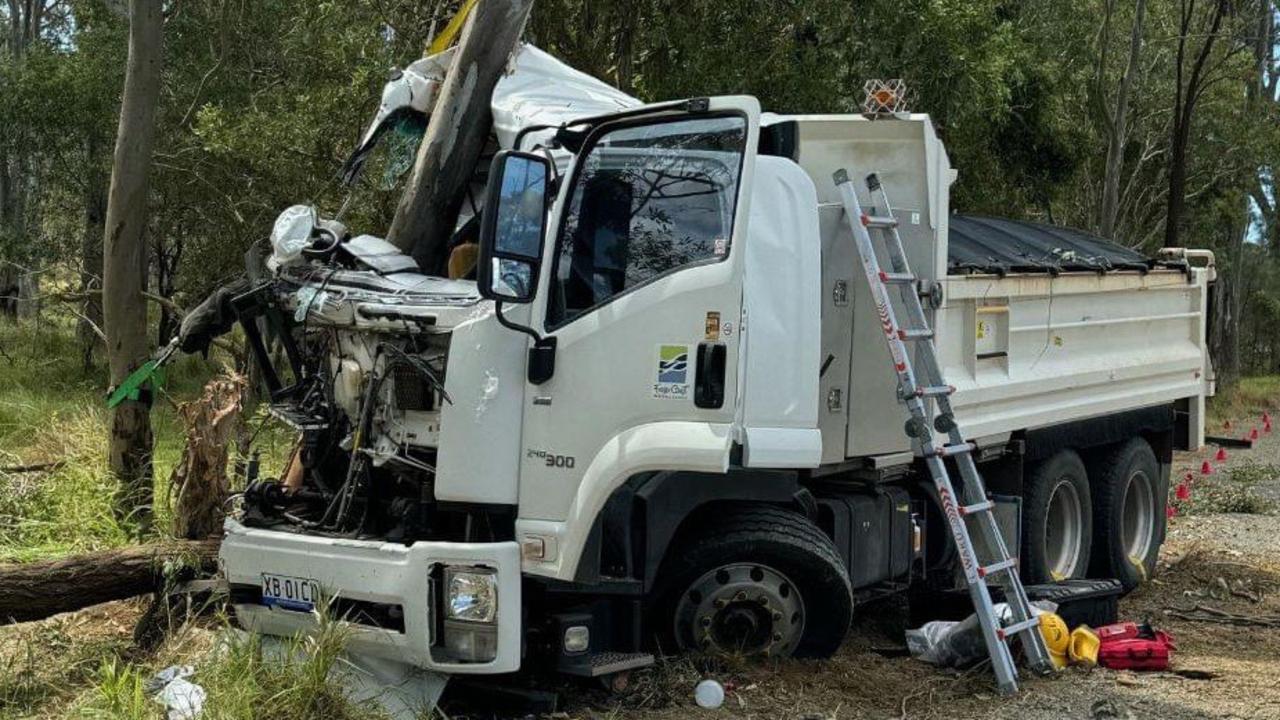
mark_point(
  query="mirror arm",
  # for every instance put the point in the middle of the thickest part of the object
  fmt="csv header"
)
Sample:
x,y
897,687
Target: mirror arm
x,y
504,322
542,356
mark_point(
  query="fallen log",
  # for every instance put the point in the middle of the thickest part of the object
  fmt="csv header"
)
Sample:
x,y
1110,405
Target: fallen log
x,y
34,591
38,467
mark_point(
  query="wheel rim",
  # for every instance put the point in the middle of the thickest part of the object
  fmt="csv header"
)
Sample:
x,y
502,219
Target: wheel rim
x,y
1139,517
741,609
1064,530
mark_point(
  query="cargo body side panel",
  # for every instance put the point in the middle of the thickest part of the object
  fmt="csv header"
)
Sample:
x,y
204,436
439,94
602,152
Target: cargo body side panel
x,y
1030,351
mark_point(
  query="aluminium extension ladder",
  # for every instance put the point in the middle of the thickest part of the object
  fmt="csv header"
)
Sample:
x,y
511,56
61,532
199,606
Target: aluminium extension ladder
x,y
948,442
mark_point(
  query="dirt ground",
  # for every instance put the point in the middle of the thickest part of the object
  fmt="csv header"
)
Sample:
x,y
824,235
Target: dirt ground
x,y
1226,561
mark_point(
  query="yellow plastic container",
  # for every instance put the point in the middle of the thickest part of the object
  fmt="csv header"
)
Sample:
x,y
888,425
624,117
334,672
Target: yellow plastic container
x,y
1083,648
1057,638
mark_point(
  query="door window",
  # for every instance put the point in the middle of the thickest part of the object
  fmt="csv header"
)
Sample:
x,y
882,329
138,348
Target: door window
x,y
646,200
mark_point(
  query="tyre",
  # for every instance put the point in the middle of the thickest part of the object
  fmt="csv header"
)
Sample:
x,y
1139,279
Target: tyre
x,y
1057,520
757,581
1128,512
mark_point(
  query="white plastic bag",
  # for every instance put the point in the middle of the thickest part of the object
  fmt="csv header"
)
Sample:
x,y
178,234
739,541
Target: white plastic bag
x,y
182,698
949,643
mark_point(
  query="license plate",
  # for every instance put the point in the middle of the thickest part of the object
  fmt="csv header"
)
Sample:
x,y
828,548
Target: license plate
x,y
289,593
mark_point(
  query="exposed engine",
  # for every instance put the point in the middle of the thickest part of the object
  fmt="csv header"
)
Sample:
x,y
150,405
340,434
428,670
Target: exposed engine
x,y
353,343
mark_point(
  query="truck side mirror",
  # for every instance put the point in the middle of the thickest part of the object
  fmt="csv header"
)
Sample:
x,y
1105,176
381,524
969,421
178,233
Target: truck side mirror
x,y
513,226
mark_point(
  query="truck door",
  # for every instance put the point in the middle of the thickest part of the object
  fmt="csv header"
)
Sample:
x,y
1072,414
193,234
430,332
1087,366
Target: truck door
x,y
643,295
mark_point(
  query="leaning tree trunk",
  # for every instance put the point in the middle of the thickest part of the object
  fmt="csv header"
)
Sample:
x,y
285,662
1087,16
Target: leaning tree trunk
x,y
124,260
457,133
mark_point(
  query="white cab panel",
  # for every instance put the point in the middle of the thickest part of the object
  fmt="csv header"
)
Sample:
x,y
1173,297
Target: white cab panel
x,y
782,320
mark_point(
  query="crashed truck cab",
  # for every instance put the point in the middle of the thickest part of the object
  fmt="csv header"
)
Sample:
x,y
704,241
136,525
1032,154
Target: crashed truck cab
x,y
381,575
664,409
489,445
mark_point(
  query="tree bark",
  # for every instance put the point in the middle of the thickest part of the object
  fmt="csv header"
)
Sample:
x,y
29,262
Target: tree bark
x,y
124,260
33,591
1119,124
1184,105
95,218
199,484
457,133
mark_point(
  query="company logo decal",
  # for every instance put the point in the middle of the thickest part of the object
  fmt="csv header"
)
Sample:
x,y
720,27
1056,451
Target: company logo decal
x,y
673,372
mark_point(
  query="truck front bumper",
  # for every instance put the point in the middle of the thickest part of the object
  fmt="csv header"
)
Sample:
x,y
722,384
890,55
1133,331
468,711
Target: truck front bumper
x,y
390,595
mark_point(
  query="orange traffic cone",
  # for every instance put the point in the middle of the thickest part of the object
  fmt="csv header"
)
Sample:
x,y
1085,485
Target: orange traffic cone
x,y
1253,434
1183,492
1170,511
1206,468
1221,456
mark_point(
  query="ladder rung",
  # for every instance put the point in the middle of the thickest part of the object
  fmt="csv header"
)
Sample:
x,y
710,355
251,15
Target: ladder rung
x,y
946,451
978,507
1002,566
934,390
879,222
916,334
896,278
1013,629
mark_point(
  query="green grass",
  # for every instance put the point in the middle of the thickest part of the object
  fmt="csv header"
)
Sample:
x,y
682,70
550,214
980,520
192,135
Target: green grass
x,y
53,410
1246,398
243,677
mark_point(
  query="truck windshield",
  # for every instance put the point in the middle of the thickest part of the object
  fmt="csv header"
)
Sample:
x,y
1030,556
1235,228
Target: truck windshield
x,y
647,200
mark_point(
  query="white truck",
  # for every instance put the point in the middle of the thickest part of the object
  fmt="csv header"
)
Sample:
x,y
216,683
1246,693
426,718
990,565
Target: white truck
x,y
664,415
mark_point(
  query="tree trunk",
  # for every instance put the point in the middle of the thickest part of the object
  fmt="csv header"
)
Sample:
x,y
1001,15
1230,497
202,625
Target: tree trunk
x,y
1119,124
124,260
1184,106
456,136
95,218
33,591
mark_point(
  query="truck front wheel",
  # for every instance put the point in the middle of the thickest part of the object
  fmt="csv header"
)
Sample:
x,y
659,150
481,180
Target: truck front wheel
x,y
1057,520
1128,509
755,581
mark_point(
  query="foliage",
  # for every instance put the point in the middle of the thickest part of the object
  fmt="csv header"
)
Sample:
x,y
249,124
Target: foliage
x,y
51,411
262,101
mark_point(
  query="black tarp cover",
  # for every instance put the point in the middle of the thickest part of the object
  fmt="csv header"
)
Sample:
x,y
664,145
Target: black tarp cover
x,y
997,246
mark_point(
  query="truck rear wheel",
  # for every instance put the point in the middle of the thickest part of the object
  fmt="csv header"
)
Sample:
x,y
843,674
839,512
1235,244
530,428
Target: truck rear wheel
x,y
1128,510
756,581
1057,520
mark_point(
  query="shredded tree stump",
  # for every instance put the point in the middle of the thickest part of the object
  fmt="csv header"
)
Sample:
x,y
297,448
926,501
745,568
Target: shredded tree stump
x,y
199,486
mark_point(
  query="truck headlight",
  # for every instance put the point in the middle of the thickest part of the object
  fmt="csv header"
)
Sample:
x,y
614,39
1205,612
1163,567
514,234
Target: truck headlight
x,y
471,594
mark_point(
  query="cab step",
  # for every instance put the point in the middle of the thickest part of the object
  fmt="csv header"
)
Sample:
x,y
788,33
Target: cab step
x,y
605,663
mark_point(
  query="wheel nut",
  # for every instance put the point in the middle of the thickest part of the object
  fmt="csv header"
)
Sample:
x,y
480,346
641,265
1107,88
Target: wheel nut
x,y
777,637
763,599
705,621
742,595
720,603
777,616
